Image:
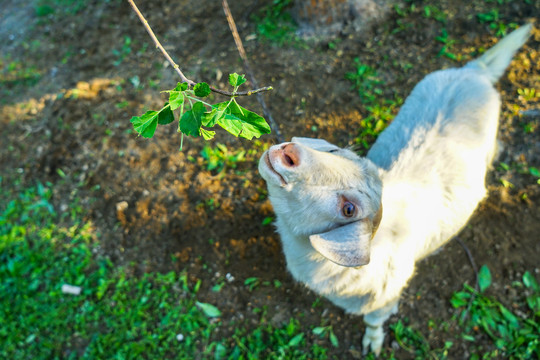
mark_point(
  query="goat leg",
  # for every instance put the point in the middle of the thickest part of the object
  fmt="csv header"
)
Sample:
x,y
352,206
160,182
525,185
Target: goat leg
x,y
374,335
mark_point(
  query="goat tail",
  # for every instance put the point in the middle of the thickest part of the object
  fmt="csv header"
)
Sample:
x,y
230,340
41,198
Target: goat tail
x,y
494,61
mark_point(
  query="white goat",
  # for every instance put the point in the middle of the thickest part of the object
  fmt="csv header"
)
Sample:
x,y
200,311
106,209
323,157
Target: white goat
x,y
428,169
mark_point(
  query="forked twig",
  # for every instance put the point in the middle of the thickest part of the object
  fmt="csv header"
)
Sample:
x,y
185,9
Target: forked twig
x,y
177,68
242,52
471,260
475,269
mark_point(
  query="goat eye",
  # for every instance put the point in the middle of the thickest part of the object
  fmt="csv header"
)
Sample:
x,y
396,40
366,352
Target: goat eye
x,y
348,209
333,150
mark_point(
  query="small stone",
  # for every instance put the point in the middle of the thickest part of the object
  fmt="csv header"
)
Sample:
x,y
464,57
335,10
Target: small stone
x,y
71,289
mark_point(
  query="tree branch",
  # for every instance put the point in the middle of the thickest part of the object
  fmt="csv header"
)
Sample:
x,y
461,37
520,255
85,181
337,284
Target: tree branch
x,y
242,52
177,68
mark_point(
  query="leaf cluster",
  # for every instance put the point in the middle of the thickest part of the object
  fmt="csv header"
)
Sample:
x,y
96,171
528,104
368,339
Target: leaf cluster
x,y
201,115
515,336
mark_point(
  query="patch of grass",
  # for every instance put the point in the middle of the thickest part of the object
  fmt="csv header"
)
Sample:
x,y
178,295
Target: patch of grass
x,y
433,12
366,81
13,72
324,331
52,7
495,23
269,342
447,48
415,343
220,157
124,51
515,332
116,314
276,24
381,111
528,94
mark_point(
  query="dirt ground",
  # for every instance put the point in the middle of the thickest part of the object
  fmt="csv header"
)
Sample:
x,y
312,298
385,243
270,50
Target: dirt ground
x,y
65,110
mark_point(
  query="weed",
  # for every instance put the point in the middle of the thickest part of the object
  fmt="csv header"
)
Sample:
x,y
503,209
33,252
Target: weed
x,y
414,342
124,51
277,25
514,336
378,119
323,331
16,72
536,173
380,111
448,43
507,184
268,342
252,283
528,94
219,158
114,315
432,12
45,8
492,18
366,81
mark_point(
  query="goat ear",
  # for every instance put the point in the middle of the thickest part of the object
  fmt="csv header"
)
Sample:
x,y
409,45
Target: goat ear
x,y
347,245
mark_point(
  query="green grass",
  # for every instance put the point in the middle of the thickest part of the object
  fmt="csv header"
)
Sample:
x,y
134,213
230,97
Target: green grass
x,y
514,333
13,72
59,7
276,24
155,315
220,157
416,344
117,315
380,111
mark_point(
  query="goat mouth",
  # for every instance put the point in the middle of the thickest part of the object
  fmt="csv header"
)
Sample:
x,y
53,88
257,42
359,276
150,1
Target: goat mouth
x,y
271,168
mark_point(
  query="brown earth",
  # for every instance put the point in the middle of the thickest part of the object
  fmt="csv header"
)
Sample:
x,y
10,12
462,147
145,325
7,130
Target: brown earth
x,y
66,122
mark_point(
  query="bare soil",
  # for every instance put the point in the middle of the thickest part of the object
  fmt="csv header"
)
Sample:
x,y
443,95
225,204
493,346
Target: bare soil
x,y
67,123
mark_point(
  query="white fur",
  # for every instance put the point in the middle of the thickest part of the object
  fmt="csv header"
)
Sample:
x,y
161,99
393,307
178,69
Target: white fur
x,y
431,162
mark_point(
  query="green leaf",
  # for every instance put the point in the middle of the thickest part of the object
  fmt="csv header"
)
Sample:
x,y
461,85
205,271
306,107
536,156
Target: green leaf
x,y
250,280
296,340
165,116
202,89
181,87
253,125
231,123
208,309
334,339
236,80
484,278
191,121
217,113
511,318
530,282
176,99
236,120
460,299
319,330
207,134
534,171
146,124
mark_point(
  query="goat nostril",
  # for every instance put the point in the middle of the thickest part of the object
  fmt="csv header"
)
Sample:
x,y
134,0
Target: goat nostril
x,y
290,155
288,160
